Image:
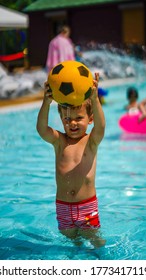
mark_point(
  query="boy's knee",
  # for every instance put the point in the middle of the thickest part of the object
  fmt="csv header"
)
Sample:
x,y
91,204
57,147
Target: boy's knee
x,y
70,233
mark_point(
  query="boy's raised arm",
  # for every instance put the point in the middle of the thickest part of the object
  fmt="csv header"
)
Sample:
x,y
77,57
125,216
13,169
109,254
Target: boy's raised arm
x,y
46,132
98,129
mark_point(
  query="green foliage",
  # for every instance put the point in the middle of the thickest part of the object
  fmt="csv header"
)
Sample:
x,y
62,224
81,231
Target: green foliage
x,y
21,4
9,3
13,41
18,5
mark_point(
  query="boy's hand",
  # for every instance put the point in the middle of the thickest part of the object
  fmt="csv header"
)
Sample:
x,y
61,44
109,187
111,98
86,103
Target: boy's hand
x,y
94,93
47,93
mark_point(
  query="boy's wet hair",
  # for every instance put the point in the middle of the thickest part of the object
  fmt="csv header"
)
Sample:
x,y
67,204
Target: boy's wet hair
x,y
87,105
132,92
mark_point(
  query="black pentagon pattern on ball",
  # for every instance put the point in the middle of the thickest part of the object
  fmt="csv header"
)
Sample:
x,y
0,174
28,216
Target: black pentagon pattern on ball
x,y
83,71
57,69
66,88
87,94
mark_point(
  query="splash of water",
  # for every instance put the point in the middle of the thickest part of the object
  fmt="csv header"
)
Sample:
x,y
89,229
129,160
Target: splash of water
x,y
68,115
113,64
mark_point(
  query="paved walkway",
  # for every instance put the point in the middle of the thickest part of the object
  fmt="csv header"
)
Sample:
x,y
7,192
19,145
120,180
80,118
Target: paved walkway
x,y
21,100
31,98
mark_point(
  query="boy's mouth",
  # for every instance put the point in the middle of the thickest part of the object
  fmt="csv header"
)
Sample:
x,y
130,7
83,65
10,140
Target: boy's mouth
x,y
74,129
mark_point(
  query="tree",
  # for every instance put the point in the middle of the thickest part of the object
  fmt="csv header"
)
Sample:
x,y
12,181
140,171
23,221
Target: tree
x,y
18,5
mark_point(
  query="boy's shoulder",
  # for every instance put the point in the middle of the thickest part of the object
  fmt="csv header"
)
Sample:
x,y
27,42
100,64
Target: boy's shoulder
x,y
62,136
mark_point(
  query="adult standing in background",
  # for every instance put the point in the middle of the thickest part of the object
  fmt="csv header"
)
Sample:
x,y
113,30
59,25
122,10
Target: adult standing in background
x,y
60,48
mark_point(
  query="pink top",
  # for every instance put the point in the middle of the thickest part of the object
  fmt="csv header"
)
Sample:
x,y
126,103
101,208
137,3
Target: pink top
x,y
60,49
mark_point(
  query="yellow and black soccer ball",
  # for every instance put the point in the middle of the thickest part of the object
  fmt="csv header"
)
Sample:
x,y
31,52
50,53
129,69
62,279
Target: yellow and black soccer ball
x,y
70,83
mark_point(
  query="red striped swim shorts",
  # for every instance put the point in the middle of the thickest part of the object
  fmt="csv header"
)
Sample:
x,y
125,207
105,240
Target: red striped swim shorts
x,y
83,214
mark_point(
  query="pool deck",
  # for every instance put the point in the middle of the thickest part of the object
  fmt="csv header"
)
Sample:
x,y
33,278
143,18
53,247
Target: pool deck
x,y
21,100
35,99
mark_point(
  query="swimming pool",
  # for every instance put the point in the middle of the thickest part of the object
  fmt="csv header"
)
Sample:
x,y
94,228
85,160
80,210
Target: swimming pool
x,y
28,227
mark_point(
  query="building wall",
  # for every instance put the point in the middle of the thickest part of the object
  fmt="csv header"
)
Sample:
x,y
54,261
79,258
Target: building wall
x,y
144,22
103,24
38,39
133,25
100,24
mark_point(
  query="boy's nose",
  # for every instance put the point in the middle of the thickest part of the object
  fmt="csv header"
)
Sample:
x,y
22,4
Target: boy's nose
x,y
73,122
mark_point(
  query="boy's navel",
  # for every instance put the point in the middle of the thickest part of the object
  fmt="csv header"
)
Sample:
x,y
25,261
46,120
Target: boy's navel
x,y
71,192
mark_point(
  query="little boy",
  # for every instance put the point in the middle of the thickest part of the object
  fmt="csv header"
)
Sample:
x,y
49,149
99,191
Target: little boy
x,y
75,150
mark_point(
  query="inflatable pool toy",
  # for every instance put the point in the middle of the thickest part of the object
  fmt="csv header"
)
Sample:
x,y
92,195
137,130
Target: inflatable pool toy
x,y
130,123
70,83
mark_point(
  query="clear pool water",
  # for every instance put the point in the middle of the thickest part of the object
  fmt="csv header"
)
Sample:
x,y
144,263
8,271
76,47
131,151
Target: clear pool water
x,y
28,227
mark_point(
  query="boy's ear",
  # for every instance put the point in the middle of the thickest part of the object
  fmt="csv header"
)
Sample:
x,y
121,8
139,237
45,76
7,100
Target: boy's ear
x,y
91,119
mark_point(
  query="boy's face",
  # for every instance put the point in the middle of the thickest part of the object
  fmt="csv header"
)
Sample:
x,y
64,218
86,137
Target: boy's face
x,y
75,121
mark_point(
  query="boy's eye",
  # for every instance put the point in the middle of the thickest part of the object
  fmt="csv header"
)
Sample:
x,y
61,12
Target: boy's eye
x,y
67,119
79,118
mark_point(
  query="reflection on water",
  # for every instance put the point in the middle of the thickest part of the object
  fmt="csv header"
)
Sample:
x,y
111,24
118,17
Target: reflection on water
x,y
133,137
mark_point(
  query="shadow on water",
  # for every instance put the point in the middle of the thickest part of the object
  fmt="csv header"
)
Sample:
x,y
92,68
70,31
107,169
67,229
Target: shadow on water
x,y
126,137
133,137
112,137
36,236
12,248
16,249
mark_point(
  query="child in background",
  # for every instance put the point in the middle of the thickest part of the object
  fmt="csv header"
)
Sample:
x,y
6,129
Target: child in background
x,y
132,96
134,106
76,153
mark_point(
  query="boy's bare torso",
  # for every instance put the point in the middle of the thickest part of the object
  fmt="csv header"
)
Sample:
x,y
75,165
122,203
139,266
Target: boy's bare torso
x,y
75,169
